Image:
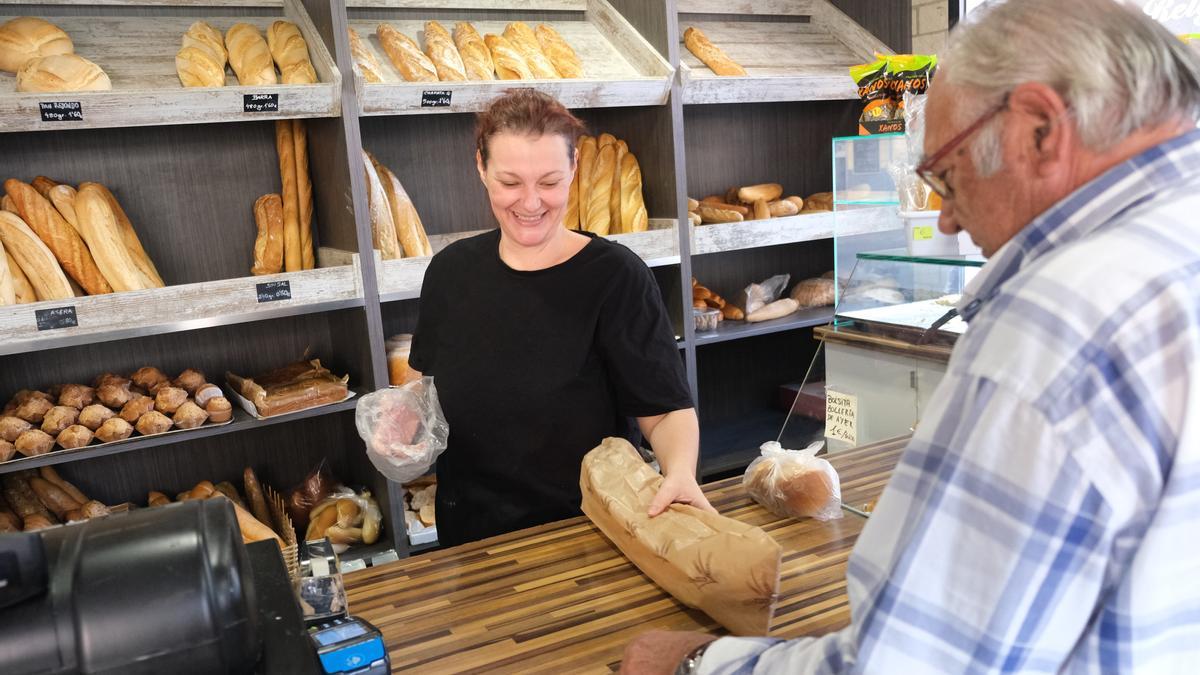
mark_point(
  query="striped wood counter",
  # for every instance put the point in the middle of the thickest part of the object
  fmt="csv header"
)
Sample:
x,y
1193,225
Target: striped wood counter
x,y
560,599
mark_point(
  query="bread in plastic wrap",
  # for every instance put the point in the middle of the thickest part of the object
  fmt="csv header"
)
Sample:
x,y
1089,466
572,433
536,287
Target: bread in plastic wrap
x,y
404,429
794,483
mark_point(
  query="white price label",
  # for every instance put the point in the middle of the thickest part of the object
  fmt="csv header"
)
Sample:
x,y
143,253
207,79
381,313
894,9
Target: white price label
x,y
841,416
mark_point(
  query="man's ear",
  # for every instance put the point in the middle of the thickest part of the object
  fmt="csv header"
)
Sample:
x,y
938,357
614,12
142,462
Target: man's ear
x,y
479,167
1043,132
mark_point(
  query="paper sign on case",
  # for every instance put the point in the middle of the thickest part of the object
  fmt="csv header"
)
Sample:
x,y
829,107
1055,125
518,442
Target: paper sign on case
x,y
841,416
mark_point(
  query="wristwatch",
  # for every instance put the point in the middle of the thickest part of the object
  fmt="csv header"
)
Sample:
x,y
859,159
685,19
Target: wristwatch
x,y
691,662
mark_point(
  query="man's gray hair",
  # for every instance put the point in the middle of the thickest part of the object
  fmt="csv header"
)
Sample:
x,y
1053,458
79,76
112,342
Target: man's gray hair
x,y
1118,69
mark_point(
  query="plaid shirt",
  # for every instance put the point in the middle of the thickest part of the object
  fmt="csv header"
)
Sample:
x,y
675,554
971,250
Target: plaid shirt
x,y
1045,517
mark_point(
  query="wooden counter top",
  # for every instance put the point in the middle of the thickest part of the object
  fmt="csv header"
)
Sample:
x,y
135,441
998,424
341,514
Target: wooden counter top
x,y
560,598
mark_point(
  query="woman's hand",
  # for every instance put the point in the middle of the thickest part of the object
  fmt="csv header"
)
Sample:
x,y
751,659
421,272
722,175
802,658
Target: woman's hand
x,y
679,488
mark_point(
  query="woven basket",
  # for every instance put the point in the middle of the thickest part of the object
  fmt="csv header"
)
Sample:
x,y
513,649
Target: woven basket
x,y
283,526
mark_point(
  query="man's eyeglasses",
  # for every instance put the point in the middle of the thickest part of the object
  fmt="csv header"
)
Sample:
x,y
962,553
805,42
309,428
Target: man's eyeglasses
x,y
937,181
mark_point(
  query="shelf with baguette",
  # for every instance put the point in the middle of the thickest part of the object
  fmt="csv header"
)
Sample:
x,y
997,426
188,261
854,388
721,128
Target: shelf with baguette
x,y
787,50
619,67
116,316
138,54
748,234
242,421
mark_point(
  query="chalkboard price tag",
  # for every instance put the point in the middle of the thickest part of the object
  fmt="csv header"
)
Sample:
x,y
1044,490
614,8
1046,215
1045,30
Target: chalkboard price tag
x,y
61,111
436,98
273,291
56,317
258,103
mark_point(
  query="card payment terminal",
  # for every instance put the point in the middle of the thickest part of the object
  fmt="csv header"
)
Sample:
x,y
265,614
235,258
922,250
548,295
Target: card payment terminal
x,y
349,645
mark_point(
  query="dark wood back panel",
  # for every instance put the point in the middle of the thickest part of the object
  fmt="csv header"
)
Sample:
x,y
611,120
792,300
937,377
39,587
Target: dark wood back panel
x,y
742,377
729,273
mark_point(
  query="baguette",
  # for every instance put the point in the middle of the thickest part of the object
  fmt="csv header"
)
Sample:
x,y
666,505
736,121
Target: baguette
x,y
571,218
775,310
583,172
782,208
252,529
285,146
249,55
597,202
605,139
6,204
304,194
510,64
34,259
476,57
27,37
200,35
94,509
99,228
52,475
712,56
523,38
61,72
412,64
410,233
254,494
268,245
711,202
8,287
440,49
290,52
43,185
198,67
365,62
712,214
129,235
633,207
22,289
564,59
616,224
62,240
53,497
63,199
766,191
383,228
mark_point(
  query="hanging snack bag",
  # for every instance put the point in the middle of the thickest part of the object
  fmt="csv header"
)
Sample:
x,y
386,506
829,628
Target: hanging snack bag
x,y
878,104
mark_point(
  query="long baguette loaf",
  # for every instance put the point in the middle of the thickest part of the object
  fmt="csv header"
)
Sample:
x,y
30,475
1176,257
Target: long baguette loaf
x,y
364,59
130,237
63,199
404,53
6,204
510,64
712,56
34,258
409,230
268,245
584,170
633,207
440,49
523,38
565,61
616,223
43,185
383,227
285,146
62,240
249,55
599,196
8,288
98,225
21,287
571,218
290,52
476,57
303,194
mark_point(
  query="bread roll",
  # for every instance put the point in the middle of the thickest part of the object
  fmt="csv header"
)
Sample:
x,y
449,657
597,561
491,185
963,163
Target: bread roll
x,y
792,489
22,289
383,226
766,191
199,68
94,415
526,42
268,245
633,207
113,394
58,418
712,56
129,236
290,52
712,214
304,197
156,498
565,61
11,427
205,393
34,442
364,59
152,423
75,436
168,399
219,410
34,410
409,230
476,57
821,201
405,55
189,380
7,450
77,396
249,55
782,208
440,49
115,429
137,406
59,237
26,37
584,170
510,64
598,197
285,147
200,35
99,228
189,416
62,72
150,378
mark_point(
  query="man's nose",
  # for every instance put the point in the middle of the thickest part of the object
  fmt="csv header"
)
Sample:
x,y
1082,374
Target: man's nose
x,y
947,223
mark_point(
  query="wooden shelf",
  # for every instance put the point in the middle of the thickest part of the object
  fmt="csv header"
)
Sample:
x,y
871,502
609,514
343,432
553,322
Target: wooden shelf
x,y
241,422
138,54
786,57
117,316
620,67
721,237
738,330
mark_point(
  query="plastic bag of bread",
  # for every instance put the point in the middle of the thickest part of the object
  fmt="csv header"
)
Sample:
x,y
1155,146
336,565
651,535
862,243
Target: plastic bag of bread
x,y
404,429
757,296
794,483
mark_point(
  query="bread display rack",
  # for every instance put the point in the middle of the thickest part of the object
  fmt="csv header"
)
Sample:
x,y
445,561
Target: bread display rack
x,y
620,68
802,54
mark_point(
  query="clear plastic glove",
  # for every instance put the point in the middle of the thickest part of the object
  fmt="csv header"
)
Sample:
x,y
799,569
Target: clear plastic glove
x,y
404,429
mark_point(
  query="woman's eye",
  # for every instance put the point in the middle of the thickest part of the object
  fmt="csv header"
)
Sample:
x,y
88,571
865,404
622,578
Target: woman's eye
x,y
508,184
550,185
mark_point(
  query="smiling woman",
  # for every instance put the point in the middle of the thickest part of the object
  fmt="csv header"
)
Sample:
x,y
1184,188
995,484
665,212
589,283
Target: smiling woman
x,y
543,342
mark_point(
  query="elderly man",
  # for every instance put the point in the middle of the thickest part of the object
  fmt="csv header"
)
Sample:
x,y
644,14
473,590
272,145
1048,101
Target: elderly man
x,y
1046,515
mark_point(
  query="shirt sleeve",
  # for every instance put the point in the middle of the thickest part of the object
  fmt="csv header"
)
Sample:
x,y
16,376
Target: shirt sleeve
x,y
637,343
423,355
990,550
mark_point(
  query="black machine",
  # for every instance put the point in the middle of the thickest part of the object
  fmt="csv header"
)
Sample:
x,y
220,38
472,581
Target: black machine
x,y
165,590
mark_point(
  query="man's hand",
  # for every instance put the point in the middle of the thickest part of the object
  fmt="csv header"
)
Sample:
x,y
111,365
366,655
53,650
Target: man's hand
x,y
659,652
681,488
